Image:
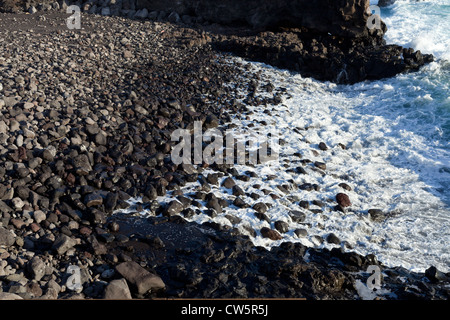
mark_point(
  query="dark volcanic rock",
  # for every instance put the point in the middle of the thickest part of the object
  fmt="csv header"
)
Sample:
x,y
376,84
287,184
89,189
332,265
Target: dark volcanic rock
x,y
228,183
434,275
347,19
376,215
271,234
260,207
282,226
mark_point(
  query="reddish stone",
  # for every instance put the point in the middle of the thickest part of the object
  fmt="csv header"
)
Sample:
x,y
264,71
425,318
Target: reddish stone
x,y
35,227
85,231
343,200
71,179
17,223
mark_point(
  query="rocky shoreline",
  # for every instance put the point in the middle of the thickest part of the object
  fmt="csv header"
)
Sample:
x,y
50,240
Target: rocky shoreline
x,y
86,118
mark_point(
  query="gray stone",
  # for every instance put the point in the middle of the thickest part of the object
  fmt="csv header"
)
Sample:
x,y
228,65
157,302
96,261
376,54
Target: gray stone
x,y
117,290
17,203
320,165
174,17
228,183
297,216
141,280
63,243
37,268
82,164
3,126
53,287
9,296
175,207
301,233
4,208
39,216
7,237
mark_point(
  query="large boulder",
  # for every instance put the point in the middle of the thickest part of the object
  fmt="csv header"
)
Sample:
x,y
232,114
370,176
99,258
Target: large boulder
x,y
117,290
140,280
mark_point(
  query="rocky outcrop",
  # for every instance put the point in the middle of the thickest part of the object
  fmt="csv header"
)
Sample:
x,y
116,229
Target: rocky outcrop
x,y
344,18
323,57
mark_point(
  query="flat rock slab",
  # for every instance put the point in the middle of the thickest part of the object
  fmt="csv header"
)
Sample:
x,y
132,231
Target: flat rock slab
x,y
139,278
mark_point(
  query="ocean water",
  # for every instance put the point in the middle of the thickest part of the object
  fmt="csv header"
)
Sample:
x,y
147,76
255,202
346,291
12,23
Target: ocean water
x,y
397,156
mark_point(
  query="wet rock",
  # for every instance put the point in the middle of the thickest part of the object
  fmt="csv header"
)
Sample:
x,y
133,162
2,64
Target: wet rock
x,y
297,216
323,146
110,201
345,186
376,215
228,183
320,165
174,207
260,207
282,226
332,238
385,3
434,275
301,233
237,191
213,203
343,200
240,203
270,233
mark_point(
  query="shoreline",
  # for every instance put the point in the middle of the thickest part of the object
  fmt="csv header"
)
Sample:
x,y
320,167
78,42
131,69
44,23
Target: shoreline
x,y
74,226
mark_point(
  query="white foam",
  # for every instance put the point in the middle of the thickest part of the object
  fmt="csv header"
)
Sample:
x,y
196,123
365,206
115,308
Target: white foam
x,y
388,162
397,133
421,25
